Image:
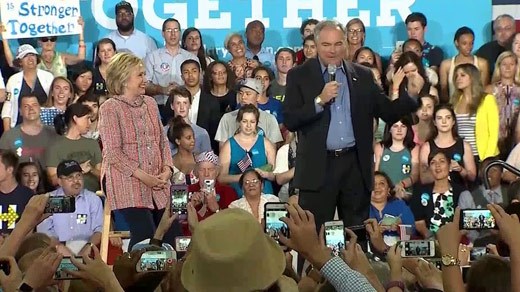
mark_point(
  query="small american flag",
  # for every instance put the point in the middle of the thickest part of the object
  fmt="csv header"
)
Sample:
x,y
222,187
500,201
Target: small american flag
x,y
245,163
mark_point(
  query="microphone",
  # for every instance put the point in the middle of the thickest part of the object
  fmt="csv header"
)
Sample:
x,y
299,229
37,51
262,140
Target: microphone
x,y
331,69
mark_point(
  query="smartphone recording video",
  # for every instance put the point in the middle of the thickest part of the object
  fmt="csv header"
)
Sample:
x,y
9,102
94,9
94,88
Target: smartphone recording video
x,y
156,261
181,243
476,253
60,205
66,265
335,236
477,219
273,225
179,199
418,248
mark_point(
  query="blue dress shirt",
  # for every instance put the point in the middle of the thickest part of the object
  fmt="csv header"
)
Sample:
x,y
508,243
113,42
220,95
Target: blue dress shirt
x,y
341,131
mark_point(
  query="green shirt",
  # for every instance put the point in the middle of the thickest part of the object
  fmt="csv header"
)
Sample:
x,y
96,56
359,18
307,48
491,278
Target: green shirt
x,y
79,150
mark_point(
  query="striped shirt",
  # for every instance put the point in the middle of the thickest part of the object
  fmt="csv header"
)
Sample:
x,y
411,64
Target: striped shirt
x,y
466,127
133,137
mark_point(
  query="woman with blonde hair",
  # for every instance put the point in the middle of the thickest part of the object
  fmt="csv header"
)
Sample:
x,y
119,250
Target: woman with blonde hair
x,y
476,112
137,162
506,90
60,96
355,35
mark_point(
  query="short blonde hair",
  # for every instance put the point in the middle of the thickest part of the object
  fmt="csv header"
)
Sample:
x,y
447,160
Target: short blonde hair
x,y
118,71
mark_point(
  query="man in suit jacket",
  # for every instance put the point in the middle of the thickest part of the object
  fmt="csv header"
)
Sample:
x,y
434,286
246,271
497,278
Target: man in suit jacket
x,y
333,120
205,110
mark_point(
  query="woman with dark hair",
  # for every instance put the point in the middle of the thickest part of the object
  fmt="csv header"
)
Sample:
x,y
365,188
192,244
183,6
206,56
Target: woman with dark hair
x,y
385,204
309,48
192,42
398,157
29,174
476,111
408,69
247,149
219,82
253,201
181,135
105,50
464,39
423,129
82,80
355,35
265,101
445,137
365,55
74,123
92,101
434,204
60,96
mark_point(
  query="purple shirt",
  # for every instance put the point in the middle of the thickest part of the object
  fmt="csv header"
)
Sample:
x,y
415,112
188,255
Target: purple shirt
x,y
80,225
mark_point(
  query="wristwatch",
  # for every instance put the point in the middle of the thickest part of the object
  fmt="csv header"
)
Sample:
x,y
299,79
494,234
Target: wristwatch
x,y
318,100
449,260
24,287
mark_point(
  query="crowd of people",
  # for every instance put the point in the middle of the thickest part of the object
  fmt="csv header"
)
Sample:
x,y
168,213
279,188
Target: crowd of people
x,y
390,144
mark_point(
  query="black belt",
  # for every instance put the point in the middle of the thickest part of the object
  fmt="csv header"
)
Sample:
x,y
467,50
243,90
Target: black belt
x,y
341,152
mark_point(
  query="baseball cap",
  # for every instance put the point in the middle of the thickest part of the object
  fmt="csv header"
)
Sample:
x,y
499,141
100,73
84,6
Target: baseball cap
x,y
124,5
251,83
24,50
68,167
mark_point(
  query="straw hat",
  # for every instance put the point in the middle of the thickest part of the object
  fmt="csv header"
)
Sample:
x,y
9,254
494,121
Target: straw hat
x,y
230,252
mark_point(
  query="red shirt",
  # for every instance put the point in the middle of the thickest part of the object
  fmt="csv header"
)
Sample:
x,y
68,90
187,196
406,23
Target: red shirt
x,y
300,57
225,195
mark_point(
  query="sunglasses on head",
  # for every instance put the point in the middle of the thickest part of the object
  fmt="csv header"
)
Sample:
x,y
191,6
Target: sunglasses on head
x,y
46,39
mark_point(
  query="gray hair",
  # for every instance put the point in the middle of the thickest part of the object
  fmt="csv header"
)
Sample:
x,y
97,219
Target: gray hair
x,y
326,23
229,37
501,17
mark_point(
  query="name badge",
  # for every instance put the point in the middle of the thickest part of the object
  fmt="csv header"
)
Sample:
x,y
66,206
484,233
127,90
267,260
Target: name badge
x,y
81,219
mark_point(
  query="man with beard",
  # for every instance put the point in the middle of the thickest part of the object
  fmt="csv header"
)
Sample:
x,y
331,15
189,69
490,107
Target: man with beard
x,y
126,37
163,67
82,228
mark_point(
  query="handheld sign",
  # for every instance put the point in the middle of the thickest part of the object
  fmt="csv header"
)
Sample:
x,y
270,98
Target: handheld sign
x,y
39,18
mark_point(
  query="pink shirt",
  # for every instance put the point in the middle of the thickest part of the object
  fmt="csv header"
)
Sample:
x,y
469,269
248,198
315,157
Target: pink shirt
x,y
132,137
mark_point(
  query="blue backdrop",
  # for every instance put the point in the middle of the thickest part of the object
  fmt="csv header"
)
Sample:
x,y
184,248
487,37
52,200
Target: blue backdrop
x,y
216,18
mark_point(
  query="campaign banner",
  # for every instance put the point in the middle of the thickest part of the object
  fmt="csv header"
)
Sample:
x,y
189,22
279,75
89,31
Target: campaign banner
x,y
39,18
384,20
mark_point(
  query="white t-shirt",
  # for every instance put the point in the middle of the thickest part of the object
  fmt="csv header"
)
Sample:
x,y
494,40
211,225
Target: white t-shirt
x,y
282,165
244,205
194,109
228,126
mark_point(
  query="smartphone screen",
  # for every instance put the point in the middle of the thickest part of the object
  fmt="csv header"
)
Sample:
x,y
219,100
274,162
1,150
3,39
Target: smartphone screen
x,y
477,219
66,264
418,248
156,261
464,270
335,236
181,243
476,253
179,199
273,225
60,205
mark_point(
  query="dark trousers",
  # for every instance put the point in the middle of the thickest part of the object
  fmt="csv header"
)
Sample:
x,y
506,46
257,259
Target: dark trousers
x,y
344,188
143,222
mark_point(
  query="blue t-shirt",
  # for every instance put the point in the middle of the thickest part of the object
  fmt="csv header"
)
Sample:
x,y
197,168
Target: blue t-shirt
x,y
396,208
274,107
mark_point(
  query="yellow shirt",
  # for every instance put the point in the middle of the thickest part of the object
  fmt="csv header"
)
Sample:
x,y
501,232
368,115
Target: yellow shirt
x,y
487,128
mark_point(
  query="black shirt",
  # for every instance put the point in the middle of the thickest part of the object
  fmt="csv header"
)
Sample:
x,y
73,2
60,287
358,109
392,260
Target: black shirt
x,y
12,206
228,102
490,51
98,83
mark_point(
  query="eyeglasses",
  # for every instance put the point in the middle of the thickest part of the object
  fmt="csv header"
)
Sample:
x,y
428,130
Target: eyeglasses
x,y
172,30
73,177
46,39
252,182
352,31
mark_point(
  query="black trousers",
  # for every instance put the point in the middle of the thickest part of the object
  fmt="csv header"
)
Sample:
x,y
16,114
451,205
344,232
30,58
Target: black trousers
x,y
143,222
343,189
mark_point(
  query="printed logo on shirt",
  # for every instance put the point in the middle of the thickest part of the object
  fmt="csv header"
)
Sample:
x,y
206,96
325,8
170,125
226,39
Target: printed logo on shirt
x,y
16,91
261,132
165,67
81,219
386,158
10,217
424,199
406,168
8,96
255,152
